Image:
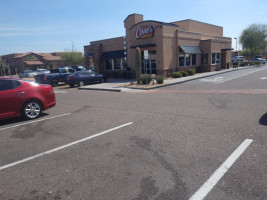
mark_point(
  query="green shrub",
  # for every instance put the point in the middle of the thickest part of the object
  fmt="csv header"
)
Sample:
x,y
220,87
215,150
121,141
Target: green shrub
x,y
168,75
159,79
145,77
191,72
184,73
177,75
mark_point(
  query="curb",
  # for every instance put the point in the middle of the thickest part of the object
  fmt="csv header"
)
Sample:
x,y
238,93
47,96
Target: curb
x,y
168,84
101,89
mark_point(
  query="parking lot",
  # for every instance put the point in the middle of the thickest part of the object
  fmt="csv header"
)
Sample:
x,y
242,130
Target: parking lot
x,y
176,142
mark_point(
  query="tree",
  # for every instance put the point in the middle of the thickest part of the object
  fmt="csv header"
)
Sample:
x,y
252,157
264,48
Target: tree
x,y
73,58
3,66
254,40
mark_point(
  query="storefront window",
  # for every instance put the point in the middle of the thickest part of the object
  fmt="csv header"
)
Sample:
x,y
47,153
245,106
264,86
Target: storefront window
x,y
194,59
117,63
108,64
113,64
216,58
187,59
181,60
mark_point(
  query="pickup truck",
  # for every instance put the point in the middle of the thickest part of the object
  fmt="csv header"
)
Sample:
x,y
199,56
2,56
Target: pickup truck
x,y
55,77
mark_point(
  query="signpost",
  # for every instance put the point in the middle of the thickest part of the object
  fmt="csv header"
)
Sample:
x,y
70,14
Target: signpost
x,y
146,58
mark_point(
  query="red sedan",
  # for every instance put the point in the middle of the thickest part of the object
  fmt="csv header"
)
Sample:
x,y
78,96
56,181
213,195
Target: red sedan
x,y
22,98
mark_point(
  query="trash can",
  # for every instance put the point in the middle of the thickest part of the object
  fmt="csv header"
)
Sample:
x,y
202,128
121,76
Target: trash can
x,y
228,66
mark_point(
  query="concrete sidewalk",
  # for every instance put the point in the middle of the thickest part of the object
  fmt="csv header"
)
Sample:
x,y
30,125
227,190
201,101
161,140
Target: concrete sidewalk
x,y
121,85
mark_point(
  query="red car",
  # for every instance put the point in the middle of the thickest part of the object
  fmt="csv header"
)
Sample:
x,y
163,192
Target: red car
x,y
23,98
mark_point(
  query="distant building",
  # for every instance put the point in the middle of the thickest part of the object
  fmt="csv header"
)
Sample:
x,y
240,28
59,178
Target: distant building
x,y
171,46
33,61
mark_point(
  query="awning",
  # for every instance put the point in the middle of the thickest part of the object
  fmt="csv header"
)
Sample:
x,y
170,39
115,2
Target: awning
x,y
190,49
34,62
113,54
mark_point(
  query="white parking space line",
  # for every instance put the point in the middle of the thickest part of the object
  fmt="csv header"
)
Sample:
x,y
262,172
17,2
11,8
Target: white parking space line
x,y
57,91
218,174
63,147
30,122
263,78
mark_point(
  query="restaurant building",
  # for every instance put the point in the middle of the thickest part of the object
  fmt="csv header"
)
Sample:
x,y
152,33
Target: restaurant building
x,y
171,47
33,61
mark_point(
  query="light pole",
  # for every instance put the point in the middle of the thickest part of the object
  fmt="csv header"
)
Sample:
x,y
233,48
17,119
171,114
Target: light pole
x,y
236,46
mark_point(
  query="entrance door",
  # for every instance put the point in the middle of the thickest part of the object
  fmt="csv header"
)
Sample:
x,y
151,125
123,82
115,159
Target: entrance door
x,y
149,66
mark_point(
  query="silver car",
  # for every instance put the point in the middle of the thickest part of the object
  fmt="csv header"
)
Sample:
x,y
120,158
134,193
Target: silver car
x,y
42,71
26,74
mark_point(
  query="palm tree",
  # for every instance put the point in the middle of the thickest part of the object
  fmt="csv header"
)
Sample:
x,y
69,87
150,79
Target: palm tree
x,y
3,67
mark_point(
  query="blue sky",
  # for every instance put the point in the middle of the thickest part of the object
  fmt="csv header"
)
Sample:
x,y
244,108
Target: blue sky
x,y
56,25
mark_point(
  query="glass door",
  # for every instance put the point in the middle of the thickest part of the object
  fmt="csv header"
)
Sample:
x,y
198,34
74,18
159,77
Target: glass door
x,y
149,66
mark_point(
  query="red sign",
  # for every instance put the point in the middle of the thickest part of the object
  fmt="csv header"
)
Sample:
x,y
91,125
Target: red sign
x,y
144,32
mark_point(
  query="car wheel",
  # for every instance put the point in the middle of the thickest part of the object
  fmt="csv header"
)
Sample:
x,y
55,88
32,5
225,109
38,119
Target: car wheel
x,y
54,82
32,109
81,83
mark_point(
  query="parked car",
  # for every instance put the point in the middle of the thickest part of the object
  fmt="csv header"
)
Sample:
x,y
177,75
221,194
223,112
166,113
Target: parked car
x,y
27,74
82,78
79,68
238,58
24,98
42,71
55,77
261,60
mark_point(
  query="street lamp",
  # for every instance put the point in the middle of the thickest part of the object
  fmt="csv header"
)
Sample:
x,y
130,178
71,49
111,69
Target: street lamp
x,y
236,46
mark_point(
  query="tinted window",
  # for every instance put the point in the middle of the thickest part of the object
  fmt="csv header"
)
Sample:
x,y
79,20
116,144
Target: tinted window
x,y
70,70
6,85
17,84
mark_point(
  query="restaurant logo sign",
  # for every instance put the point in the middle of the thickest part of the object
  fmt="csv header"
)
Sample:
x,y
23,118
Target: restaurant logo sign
x,y
144,32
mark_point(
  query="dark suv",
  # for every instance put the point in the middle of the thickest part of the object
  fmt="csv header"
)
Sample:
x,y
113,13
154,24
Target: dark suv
x,y
55,77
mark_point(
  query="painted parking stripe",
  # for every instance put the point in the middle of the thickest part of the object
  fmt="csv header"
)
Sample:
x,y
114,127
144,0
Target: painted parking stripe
x,y
57,91
30,122
218,174
263,78
63,147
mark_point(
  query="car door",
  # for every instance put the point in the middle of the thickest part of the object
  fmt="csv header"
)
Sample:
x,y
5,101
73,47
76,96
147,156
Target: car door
x,y
86,77
11,96
93,76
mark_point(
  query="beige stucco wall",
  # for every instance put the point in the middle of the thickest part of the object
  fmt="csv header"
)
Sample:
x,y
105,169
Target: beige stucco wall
x,y
200,27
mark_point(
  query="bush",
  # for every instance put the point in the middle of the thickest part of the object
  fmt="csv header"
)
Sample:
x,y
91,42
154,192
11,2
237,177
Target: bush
x,y
184,73
177,75
191,72
145,77
168,75
159,79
